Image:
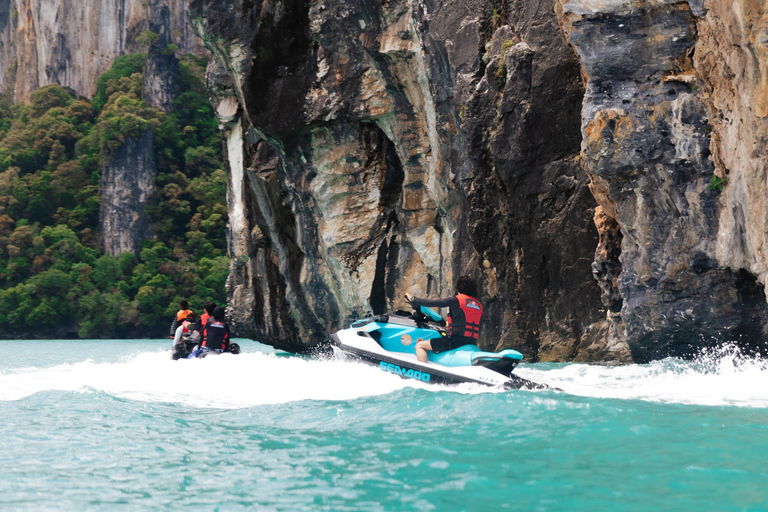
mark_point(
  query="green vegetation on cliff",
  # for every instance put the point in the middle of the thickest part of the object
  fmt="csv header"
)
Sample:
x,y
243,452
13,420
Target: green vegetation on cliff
x,y
55,279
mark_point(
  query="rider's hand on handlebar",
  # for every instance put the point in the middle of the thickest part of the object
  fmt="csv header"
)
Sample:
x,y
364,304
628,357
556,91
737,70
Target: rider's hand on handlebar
x,y
408,298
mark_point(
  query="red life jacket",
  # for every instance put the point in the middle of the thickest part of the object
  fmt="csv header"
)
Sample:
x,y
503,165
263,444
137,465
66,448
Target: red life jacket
x,y
204,318
469,326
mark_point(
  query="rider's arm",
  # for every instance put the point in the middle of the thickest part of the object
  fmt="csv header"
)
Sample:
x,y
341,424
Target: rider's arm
x,y
433,303
177,336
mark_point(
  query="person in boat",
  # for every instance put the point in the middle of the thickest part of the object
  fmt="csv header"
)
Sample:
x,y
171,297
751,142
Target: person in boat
x,y
180,315
186,332
215,334
464,314
209,307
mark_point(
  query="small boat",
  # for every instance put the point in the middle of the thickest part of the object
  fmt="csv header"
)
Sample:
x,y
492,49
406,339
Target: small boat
x,y
389,342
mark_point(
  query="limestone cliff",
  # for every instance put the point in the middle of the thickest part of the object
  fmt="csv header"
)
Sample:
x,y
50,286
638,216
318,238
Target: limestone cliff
x,y
127,182
72,43
162,70
674,134
376,148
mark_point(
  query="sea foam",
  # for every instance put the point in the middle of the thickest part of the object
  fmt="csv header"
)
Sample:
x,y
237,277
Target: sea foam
x,y
260,377
718,377
226,381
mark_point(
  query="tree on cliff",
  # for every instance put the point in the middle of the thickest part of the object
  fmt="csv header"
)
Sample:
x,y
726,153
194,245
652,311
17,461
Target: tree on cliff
x,y
54,276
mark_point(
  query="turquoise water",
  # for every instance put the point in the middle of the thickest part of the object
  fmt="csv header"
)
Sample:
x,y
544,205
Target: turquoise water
x,y
115,424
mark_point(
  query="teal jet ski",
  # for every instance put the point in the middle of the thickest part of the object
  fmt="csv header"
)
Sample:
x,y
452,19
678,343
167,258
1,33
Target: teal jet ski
x,y
389,342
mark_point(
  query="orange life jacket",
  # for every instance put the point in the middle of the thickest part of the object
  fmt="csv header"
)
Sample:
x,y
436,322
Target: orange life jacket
x,y
182,314
469,326
204,318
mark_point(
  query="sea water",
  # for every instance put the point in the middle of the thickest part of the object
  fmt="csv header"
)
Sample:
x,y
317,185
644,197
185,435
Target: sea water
x,y
118,425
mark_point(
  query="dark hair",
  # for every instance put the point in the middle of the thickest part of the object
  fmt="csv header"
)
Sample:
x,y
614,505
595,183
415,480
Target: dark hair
x,y
467,286
218,313
190,317
209,307
184,304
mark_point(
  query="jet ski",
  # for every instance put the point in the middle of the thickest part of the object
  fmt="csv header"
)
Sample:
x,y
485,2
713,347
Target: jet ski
x,y
389,342
187,347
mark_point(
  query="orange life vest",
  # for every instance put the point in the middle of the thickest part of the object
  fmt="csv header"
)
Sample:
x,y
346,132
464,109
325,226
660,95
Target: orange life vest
x,y
469,326
182,314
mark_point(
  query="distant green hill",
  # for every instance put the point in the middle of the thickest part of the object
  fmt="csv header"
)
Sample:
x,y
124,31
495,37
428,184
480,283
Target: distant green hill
x,y
55,279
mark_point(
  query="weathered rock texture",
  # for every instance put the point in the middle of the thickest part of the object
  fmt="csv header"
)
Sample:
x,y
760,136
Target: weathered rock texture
x,y
128,176
377,147
675,92
162,70
127,182
72,42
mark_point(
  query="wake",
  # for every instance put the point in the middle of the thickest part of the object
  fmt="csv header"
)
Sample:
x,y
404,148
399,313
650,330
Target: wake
x,y
225,381
717,378
263,377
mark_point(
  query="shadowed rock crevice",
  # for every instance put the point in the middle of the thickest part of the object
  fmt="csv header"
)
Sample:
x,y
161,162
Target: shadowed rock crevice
x,y
382,290
392,185
381,154
607,265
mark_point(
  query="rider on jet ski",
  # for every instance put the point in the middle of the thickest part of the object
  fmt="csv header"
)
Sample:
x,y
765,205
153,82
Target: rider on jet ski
x,y
464,313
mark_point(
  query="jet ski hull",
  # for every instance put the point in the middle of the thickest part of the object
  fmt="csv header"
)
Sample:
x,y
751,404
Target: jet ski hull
x,y
183,349
358,343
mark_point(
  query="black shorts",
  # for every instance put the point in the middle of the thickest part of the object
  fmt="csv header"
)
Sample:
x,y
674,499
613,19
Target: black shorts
x,y
448,343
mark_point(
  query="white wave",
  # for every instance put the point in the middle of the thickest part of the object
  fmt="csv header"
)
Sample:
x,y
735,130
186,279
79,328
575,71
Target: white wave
x,y
720,377
723,377
224,381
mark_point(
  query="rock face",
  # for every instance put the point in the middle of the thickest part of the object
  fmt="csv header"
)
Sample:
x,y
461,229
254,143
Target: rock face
x,y
72,43
376,148
675,100
127,182
161,75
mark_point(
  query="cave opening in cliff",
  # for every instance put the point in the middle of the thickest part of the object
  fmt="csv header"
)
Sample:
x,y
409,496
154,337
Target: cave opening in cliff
x,y
750,334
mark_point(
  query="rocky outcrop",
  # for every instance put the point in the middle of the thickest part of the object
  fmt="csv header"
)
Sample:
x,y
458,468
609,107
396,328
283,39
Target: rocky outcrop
x,y
673,107
731,64
72,43
161,74
127,182
376,148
